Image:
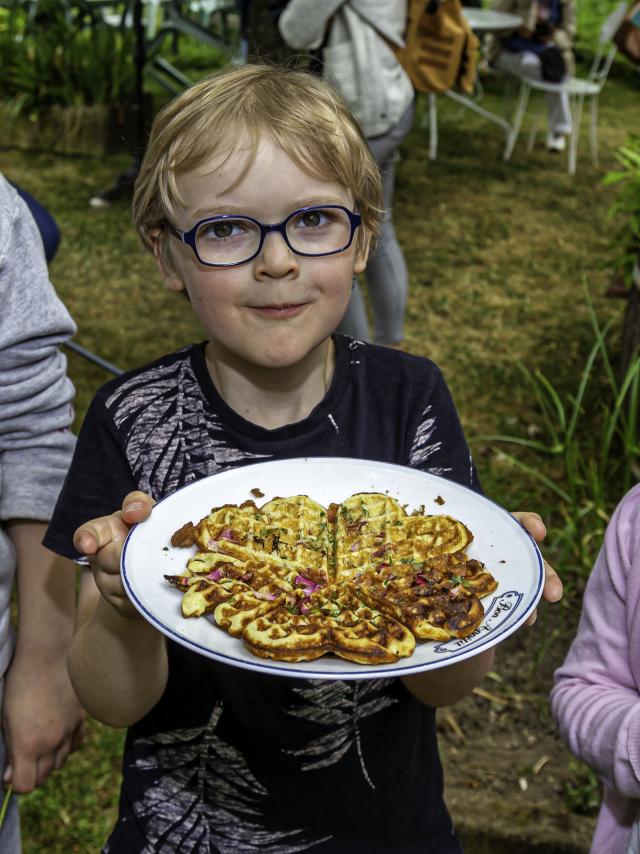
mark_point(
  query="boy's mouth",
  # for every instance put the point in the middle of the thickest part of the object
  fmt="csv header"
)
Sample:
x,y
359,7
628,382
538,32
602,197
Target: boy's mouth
x,y
280,310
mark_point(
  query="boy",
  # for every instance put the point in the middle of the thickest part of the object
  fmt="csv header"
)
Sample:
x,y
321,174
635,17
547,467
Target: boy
x,y
218,759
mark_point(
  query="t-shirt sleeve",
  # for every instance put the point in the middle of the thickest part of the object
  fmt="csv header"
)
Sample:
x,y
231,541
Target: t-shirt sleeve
x,y
97,482
438,445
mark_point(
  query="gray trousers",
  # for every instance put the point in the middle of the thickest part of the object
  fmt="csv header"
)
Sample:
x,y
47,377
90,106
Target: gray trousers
x,y
528,64
386,274
10,830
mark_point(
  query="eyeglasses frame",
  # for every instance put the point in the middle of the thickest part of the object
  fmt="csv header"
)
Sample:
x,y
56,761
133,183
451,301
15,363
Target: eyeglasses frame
x,y
189,237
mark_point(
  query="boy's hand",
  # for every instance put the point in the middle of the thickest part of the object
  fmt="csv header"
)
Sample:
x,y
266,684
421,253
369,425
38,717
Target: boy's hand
x,y
552,590
101,540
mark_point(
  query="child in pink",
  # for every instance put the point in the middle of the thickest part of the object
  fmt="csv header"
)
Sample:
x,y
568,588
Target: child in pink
x,y
596,697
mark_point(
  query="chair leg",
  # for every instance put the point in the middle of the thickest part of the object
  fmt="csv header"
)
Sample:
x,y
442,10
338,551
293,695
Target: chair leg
x,y
512,135
576,115
533,132
433,126
594,130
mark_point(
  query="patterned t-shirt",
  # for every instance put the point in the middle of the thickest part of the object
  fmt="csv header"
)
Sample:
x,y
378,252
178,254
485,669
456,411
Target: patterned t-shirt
x,y
233,761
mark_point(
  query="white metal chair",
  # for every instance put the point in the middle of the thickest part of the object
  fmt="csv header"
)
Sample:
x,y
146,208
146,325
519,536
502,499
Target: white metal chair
x,y
577,88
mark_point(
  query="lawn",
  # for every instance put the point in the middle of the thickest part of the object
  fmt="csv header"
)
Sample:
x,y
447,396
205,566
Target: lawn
x,y
501,258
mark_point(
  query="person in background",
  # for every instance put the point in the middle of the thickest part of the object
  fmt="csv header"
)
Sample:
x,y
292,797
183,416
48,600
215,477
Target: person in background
x,y
540,49
596,695
41,717
356,38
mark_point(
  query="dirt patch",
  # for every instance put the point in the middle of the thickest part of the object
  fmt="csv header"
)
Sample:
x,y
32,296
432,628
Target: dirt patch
x,y
506,768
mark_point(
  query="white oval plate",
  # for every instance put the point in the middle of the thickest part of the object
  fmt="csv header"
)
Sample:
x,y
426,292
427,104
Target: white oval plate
x,y
500,542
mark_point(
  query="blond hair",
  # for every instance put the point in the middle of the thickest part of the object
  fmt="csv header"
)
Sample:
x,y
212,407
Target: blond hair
x,y
304,116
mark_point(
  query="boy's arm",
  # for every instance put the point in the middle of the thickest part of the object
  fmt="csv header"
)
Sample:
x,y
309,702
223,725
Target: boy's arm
x,y
118,661
42,718
447,685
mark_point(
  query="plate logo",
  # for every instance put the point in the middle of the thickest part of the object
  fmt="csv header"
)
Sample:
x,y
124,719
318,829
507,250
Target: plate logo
x,y
497,613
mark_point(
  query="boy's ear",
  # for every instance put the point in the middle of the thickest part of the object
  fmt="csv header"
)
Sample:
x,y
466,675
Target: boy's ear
x,y
362,253
171,278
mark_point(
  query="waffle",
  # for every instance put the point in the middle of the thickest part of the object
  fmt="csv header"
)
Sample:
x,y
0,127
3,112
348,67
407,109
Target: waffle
x,y
373,531
361,579
333,620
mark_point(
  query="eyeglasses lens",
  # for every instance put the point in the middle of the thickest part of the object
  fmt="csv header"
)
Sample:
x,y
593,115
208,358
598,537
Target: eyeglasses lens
x,y
227,241
318,231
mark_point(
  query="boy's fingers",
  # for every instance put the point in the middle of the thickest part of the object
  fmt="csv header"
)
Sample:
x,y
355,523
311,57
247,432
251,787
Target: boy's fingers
x,y
533,523
136,507
107,559
553,588
551,592
98,533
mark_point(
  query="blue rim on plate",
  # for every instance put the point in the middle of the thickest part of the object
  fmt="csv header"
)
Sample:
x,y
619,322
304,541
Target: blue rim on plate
x,y
500,542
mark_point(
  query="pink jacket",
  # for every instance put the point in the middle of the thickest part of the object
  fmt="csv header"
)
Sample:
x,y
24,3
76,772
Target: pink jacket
x,y
596,696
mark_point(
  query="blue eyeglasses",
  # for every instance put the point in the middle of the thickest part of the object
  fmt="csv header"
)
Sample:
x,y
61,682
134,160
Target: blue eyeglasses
x,y
229,240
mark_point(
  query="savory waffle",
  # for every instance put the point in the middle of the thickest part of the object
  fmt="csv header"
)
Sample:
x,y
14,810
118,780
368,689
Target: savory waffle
x,y
373,531
435,606
361,579
334,620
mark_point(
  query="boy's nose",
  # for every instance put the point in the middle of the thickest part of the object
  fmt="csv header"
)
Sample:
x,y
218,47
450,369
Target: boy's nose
x,y
276,260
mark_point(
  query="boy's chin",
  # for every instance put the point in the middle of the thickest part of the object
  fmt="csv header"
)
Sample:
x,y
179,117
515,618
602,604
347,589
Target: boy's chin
x,y
286,352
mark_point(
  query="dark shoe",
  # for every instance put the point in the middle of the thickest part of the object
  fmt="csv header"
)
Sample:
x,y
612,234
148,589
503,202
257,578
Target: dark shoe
x,y
121,188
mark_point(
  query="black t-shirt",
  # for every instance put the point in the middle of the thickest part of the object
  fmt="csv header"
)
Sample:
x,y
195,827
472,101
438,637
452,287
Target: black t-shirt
x,y
234,761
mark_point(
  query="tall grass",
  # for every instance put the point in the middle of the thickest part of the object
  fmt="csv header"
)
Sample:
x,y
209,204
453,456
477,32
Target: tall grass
x,y
625,211
588,451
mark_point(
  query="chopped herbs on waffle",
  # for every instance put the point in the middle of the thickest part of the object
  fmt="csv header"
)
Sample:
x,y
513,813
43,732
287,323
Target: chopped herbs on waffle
x,y
361,579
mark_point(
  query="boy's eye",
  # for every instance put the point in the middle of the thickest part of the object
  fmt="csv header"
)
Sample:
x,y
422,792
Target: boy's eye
x,y
313,219
223,229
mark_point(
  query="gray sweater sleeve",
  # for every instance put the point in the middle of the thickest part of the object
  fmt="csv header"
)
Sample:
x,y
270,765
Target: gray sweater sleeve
x,y
36,443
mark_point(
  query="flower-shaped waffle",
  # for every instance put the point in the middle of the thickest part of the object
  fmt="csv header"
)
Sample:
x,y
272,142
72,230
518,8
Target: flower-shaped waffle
x,y
360,579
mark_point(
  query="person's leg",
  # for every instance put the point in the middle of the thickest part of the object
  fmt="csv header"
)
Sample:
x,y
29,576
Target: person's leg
x,y
523,64
387,276
559,113
10,842
354,322
47,227
527,64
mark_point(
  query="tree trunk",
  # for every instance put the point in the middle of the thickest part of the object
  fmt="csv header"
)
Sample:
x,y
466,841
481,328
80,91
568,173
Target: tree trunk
x,y
265,42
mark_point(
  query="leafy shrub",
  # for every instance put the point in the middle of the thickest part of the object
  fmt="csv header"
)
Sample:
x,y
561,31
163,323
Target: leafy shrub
x,y
591,15
625,210
65,59
582,791
587,451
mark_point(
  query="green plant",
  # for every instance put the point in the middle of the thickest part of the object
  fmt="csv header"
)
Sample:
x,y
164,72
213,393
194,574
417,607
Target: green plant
x,y
591,447
582,791
590,17
625,210
56,58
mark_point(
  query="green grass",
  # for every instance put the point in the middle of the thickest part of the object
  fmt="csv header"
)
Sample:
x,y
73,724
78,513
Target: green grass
x,y
74,812
498,256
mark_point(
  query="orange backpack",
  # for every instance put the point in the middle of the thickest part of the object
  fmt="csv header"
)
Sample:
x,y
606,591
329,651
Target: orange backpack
x,y
440,48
